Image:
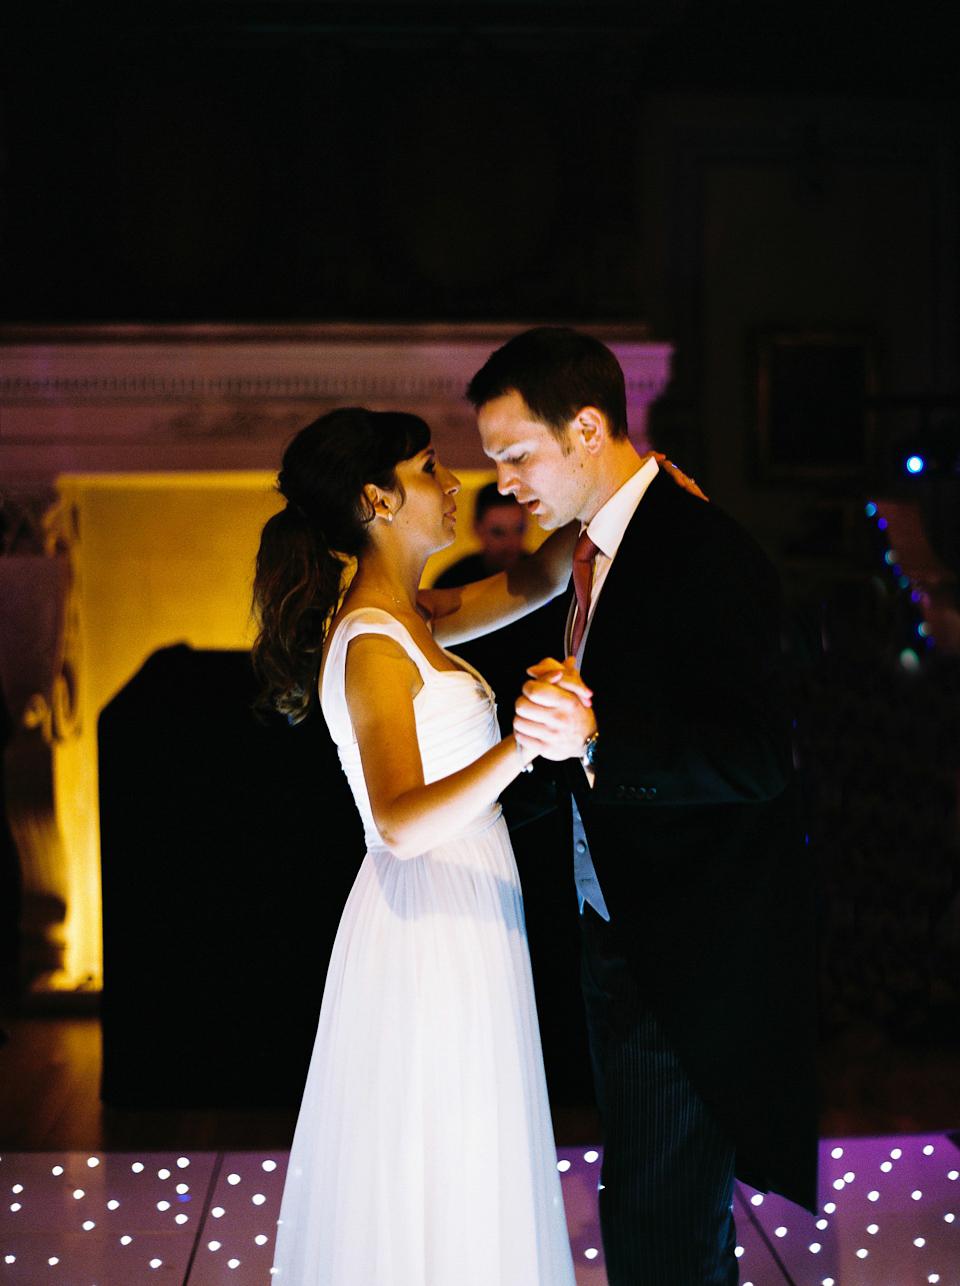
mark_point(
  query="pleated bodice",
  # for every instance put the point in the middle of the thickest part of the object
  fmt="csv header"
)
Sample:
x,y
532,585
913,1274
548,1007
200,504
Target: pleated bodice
x,y
455,714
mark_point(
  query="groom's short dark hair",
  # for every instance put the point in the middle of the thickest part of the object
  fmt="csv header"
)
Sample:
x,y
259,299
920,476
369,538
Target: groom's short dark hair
x,y
557,371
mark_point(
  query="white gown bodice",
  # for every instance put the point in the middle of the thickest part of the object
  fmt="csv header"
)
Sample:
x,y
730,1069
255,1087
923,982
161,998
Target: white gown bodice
x,y
455,714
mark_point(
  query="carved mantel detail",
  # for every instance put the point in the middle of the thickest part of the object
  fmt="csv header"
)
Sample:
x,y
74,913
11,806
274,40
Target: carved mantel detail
x,y
35,674
160,398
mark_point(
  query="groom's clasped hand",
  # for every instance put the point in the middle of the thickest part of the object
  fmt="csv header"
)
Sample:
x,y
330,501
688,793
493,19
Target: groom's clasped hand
x,y
553,713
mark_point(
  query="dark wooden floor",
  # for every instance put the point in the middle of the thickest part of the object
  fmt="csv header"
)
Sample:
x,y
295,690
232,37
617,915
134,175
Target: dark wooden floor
x,y
868,1086
50,1076
49,1101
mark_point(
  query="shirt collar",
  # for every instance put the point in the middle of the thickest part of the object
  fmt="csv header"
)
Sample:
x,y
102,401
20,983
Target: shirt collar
x,y
608,524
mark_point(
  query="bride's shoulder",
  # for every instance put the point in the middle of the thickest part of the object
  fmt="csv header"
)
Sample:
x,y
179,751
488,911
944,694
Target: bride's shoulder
x,y
359,614
355,620
365,634
358,620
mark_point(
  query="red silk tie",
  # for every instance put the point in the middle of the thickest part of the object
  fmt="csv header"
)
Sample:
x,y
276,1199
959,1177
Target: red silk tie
x,y
584,552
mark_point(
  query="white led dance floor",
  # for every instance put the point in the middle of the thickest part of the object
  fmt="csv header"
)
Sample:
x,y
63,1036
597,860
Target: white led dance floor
x,y
890,1216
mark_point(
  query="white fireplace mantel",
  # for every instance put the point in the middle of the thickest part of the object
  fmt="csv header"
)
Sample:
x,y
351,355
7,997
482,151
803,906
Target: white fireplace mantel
x,y
126,399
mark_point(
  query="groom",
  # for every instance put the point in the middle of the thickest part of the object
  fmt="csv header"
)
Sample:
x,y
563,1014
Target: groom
x,y
696,909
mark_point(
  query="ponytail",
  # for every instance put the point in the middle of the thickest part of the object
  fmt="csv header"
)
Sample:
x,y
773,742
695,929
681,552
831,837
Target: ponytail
x,y
296,590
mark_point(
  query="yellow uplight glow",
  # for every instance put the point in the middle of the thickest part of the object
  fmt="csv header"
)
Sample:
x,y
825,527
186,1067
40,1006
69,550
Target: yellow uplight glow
x,y
158,559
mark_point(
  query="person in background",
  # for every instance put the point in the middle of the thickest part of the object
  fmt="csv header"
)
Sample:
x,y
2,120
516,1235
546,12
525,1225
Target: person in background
x,y
500,525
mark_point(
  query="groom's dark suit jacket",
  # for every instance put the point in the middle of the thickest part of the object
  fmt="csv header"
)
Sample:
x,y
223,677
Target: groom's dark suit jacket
x,y
692,823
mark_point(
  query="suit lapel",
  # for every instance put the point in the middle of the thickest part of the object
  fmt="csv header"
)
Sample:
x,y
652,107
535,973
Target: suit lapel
x,y
621,598
619,609
568,626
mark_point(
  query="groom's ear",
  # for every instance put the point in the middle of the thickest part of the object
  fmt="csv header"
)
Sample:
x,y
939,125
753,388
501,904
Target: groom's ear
x,y
590,425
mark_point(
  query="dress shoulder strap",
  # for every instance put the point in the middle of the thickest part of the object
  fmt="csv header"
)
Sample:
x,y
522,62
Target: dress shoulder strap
x,y
363,620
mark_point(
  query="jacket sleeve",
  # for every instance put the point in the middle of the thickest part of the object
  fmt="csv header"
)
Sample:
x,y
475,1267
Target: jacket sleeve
x,y
531,795
737,759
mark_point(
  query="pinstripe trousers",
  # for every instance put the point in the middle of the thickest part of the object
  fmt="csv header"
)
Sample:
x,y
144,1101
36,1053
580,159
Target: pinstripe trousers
x,y
666,1201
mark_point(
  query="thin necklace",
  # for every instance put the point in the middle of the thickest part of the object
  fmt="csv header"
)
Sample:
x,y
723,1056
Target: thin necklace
x,y
399,601
393,598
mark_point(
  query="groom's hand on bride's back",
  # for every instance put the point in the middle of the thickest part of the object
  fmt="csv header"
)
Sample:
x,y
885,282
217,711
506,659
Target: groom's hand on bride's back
x,y
553,713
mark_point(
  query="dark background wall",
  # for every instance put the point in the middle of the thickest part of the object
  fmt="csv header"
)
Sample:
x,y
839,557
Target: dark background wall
x,y
269,159
706,168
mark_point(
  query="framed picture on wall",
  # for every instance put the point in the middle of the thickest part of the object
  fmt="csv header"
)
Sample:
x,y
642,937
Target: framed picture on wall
x,y
814,418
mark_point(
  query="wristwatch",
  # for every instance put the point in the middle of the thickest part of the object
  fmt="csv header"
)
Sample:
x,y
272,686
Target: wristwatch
x,y
589,753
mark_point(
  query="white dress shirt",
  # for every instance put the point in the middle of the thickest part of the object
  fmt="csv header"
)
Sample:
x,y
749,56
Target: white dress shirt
x,y
606,529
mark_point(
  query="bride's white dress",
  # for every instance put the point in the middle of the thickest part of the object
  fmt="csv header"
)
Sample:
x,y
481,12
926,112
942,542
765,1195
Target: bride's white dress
x,y
424,1152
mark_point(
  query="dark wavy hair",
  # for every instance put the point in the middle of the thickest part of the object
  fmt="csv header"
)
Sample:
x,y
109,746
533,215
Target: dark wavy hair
x,y
557,371
305,548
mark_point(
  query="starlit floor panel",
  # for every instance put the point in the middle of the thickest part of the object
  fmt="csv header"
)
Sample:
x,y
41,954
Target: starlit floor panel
x,y
236,1242
101,1219
890,1216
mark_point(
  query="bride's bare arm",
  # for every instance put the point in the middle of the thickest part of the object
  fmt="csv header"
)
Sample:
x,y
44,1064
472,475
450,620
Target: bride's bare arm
x,y
472,610
381,682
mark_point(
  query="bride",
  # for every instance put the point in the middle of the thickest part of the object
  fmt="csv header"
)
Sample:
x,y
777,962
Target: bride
x,y
423,1153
